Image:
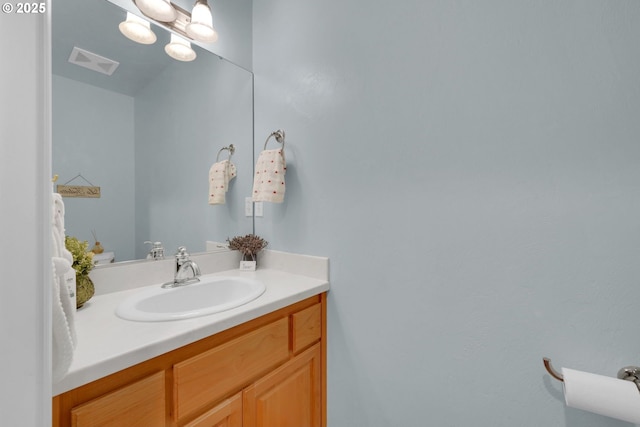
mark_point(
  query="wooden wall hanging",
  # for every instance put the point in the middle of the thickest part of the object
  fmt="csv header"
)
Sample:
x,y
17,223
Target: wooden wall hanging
x,y
80,191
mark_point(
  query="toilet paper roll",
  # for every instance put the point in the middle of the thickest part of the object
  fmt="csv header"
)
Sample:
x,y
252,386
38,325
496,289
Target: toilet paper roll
x,y
602,395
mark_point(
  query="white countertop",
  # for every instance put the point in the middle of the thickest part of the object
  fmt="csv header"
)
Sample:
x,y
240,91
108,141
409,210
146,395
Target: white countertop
x,y
107,343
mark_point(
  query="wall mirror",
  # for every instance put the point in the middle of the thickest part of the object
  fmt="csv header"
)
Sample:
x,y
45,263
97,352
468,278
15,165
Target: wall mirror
x,y
147,134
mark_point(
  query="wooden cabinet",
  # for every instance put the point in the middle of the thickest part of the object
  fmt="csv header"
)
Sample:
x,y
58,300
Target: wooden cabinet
x,y
139,404
287,397
267,372
206,378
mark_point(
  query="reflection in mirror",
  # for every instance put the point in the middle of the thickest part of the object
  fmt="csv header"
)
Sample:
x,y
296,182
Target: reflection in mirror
x,y
147,135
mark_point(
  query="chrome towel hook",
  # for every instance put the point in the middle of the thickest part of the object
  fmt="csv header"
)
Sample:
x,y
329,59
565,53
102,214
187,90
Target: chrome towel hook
x,y
278,135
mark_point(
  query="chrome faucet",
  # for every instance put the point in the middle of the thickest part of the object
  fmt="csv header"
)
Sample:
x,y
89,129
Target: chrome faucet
x,y
183,265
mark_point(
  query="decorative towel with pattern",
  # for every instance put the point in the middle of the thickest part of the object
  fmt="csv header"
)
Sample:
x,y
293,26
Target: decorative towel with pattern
x,y
220,174
268,181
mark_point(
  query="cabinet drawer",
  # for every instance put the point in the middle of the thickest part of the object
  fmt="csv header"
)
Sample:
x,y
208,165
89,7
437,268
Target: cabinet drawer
x,y
307,327
141,404
216,373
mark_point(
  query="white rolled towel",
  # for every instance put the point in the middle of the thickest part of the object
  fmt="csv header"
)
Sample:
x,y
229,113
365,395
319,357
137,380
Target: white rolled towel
x,y
220,174
63,307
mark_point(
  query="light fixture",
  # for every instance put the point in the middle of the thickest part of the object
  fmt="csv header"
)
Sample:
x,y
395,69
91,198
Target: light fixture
x,y
180,49
183,26
201,26
137,29
160,10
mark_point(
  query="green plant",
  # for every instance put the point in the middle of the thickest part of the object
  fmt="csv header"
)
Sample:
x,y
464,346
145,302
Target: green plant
x,y
248,245
82,260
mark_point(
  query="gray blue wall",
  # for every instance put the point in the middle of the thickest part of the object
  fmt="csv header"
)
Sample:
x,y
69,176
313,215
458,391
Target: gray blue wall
x,y
471,169
183,118
93,134
232,21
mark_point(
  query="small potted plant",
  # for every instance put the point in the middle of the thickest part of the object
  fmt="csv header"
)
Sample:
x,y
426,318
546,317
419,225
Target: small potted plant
x,y
249,246
82,263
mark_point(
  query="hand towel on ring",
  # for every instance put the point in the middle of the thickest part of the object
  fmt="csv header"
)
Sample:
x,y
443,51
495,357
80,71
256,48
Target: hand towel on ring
x,y
268,181
220,174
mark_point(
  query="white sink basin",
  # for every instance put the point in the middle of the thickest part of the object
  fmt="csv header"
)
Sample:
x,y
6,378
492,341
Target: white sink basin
x,y
212,294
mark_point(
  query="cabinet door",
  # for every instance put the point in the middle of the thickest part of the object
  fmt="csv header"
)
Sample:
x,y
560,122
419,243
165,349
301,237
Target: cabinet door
x,y
140,404
226,414
204,379
290,396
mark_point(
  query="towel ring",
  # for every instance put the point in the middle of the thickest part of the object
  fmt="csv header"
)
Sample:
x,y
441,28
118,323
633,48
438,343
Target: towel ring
x,y
279,135
231,149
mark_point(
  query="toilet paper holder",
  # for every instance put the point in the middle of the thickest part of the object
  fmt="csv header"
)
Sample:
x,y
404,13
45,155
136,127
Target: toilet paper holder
x,y
628,373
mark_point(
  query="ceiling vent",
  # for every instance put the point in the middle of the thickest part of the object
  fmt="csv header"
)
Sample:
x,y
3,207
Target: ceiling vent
x,y
94,62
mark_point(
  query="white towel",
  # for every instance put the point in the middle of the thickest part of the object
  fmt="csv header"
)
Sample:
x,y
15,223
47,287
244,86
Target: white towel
x,y
63,310
268,181
220,174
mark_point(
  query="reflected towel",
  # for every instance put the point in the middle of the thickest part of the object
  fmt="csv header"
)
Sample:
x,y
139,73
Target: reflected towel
x,y
268,182
63,308
220,174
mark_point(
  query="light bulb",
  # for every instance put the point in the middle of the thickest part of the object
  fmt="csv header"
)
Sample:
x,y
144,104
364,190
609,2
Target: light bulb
x,y
201,26
180,49
137,29
160,10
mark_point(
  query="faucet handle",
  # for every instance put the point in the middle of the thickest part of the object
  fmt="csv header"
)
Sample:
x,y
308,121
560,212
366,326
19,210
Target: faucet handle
x,y
181,255
182,251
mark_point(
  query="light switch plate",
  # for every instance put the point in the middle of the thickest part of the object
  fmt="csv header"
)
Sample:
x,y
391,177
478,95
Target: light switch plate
x,y
248,206
259,209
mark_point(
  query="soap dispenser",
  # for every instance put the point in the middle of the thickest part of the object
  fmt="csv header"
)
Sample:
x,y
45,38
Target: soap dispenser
x,y
156,252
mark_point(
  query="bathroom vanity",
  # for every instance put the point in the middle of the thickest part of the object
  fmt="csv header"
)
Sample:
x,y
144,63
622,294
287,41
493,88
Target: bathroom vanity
x,y
261,364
